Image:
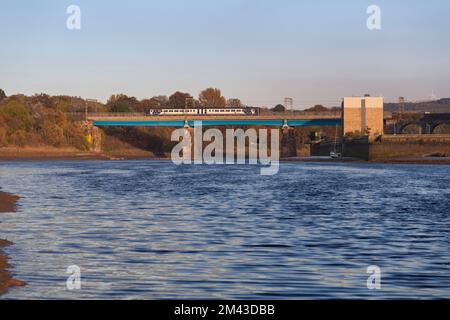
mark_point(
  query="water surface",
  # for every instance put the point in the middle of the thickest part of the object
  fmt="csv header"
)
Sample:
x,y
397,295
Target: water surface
x,y
152,230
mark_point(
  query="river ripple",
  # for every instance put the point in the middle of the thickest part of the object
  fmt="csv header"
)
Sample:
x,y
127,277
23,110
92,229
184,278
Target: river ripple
x,y
152,230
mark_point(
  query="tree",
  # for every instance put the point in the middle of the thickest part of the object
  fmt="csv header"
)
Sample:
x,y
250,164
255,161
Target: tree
x,y
150,104
2,95
318,108
279,108
162,100
43,99
234,103
123,103
178,100
212,98
116,97
16,115
120,106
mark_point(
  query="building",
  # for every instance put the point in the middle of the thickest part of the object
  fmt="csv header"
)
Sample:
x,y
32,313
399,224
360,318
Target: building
x,y
363,115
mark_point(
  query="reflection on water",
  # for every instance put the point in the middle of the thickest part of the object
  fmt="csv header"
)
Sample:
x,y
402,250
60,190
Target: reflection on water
x,y
141,229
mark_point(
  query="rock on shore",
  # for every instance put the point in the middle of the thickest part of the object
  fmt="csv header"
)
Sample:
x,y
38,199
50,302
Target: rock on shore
x,y
7,204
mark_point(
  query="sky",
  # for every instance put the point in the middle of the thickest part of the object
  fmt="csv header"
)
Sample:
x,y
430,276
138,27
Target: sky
x,y
257,50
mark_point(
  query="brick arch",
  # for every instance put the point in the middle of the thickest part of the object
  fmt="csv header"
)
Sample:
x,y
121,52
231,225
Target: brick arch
x,y
441,128
411,128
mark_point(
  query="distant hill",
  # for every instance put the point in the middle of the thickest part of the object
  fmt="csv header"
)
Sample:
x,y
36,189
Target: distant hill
x,y
438,106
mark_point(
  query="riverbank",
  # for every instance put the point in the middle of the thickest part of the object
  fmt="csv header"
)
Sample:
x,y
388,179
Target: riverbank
x,y
6,279
415,160
7,204
404,149
322,159
404,160
52,154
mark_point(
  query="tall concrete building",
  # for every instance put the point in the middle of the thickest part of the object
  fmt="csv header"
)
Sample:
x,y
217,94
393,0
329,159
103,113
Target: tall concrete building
x,y
364,115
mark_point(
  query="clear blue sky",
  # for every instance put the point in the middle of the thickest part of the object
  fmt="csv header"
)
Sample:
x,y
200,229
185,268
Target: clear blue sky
x,y
257,50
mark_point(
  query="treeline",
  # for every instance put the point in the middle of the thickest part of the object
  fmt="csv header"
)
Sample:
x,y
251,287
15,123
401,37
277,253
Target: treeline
x,y
40,120
317,108
210,98
437,106
44,120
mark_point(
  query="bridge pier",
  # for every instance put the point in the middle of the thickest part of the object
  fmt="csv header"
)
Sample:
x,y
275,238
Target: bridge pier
x,y
288,143
93,136
189,150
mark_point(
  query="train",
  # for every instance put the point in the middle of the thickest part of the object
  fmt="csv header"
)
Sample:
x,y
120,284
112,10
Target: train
x,y
248,111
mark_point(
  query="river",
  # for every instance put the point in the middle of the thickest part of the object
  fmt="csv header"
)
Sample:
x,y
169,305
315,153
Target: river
x,y
153,230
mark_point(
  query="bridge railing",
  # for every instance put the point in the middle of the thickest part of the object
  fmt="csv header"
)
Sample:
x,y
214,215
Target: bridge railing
x,y
107,114
330,114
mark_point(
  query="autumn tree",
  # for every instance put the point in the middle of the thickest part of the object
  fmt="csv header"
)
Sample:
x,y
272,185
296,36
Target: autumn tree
x,y
150,104
318,108
162,100
234,103
178,100
43,99
122,103
212,98
279,108
16,115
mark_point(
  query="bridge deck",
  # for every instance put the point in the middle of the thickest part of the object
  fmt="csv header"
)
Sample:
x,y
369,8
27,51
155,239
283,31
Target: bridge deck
x,y
179,121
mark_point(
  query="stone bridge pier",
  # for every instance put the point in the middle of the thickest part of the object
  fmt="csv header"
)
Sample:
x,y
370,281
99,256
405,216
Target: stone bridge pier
x,y
93,136
288,142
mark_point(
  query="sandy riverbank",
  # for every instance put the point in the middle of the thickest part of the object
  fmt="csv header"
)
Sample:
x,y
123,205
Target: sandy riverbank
x,y
7,204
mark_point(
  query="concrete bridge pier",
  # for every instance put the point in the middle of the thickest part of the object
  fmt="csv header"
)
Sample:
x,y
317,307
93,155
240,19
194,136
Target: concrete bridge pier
x,y
93,136
288,143
188,150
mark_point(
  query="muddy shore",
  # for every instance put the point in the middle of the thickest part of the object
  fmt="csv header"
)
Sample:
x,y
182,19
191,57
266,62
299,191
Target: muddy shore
x,y
57,154
7,204
12,154
410,160
415,160
6,279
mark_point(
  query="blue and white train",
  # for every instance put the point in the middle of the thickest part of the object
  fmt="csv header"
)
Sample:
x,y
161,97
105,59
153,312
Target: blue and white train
x,y
210,112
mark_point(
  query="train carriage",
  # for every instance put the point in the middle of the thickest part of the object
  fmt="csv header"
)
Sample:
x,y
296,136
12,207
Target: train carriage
x,y
199,111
